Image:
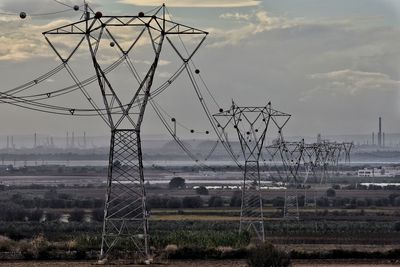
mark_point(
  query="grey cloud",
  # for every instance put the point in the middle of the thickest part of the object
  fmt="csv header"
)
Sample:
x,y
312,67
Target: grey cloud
x,y
350,82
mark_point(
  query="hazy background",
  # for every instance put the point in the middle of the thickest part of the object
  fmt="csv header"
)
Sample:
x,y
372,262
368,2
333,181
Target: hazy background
x,y
332,64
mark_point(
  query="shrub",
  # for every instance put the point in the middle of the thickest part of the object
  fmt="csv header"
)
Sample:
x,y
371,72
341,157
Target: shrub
x,y
36,215
330,192
77,215
174,203
170,249
396,201
52,216
216,201
278,202
202,190
236,199
192,202
6,244
266,255
98,215
397,226
156,202
12,212
336,187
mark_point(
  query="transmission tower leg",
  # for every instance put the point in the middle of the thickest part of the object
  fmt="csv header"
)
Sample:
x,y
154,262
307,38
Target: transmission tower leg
x,y
125,215
291,208
251,216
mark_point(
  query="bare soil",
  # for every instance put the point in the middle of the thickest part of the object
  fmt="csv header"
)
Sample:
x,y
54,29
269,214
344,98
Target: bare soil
x,y
206,263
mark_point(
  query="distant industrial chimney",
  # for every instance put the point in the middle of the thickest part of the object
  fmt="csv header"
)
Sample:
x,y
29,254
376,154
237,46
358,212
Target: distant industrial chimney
x,y
84,139
383,140
373,138
35,141
380,133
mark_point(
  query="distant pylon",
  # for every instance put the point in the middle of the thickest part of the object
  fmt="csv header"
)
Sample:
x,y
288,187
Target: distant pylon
x,y
251,125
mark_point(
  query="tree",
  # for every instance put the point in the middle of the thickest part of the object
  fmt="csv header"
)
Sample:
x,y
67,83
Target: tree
x,y
12,212
236,199
202,190
330,192
174,203
52,216
156,202
177,183
278,202
36,215
215,201
192,202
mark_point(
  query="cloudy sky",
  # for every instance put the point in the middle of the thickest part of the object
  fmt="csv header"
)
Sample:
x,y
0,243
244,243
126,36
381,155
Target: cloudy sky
x,y
332,64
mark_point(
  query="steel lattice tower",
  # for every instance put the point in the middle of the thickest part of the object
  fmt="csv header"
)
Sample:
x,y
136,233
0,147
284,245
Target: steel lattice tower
x,y
125,214
291,156
251,125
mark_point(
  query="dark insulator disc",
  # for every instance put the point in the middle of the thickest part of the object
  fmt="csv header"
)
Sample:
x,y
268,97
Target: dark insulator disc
x,y
197,71
76,7
141,14
22,15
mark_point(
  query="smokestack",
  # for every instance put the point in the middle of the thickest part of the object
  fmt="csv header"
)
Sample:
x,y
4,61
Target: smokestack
x,y
8,142
12,142
35,141
73,140
319,138
84,139
67,140
383,140
380,132
373,138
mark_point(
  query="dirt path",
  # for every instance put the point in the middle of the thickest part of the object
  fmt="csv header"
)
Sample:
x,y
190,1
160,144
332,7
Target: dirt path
x,y
203,263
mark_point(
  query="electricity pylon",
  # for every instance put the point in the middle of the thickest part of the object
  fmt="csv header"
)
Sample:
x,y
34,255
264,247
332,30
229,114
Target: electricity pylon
x,y
125,213
251,125
291,156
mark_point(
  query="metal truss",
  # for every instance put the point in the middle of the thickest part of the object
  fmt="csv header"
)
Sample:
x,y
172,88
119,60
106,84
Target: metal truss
x,y
300,160
251,125
291,156
125,214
